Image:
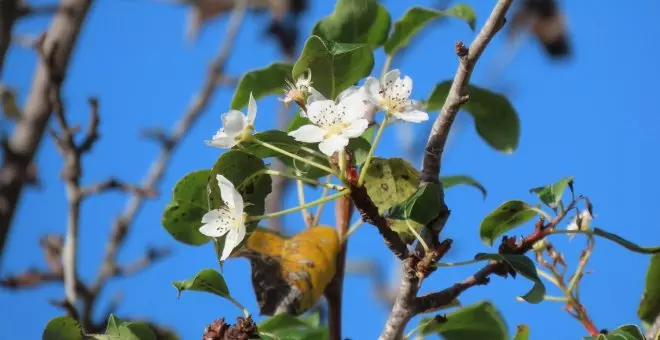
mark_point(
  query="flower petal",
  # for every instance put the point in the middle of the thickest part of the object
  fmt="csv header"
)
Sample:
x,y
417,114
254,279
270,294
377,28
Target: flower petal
x,y
222,140
356,128
233,122
232,198
252,110
308,134
216,223
324,113
333,144
414,116
314,96
349,91
390,78
373,90
401,89
233,239
355,106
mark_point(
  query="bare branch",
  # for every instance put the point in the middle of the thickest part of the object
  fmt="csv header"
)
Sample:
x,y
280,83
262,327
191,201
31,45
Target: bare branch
x,y
181,129
115,184
404,307
62,34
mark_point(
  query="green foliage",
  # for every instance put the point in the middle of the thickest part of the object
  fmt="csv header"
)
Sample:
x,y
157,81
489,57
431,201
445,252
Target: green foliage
x,y
62,328
551,194
479,321
522,333
504,218
262,82
355,21
182,217
245,172
625,243
119,330
628,332
494,117
450,181
335,66
286,326
420,208
207,280
416,18
525,267
649,308
390,181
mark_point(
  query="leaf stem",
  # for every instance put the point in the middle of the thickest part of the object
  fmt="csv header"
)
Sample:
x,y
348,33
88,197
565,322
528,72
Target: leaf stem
x,y
386,65
307,218
300,207
304,179
418,237
542,213
294,156
365,167
353,228
547,276
319,209
239,305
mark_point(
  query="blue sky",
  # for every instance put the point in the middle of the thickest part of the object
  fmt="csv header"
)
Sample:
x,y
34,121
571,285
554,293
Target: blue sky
x,y
594,117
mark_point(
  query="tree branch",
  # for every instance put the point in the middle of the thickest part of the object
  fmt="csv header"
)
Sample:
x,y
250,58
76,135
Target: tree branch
x,y
22,146
404,306
181,129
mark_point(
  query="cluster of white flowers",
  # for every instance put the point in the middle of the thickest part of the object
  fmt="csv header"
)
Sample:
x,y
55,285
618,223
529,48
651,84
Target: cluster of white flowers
x,y
333,123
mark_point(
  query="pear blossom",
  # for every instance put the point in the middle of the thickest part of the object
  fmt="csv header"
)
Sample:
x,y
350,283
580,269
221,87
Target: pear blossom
x,y
235,127
333,122
228,220
392,95
584,218
296,92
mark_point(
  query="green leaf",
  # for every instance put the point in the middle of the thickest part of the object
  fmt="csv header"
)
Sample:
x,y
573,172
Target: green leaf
x,y
207,280
390,181
649,308
625,332
297,121
244,171
335,66
286,326
355,21
281,322
262,82
551,194
416,18
522,333
450,181
360,148
494,117
421,208
625,243
504,218
525,267
478,321
182,217
62,328
118,330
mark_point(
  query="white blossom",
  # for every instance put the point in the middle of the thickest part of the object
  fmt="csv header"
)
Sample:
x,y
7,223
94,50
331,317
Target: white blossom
x,y
585,222
297,92
235,127
228,220
333,123
392,95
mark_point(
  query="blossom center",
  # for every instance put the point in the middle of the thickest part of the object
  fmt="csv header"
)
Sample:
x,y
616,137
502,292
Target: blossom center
x,y
335,129
393,104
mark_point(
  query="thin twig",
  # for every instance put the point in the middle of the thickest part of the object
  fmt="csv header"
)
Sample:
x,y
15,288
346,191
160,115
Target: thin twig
x,y
181,129
333,293
24,142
